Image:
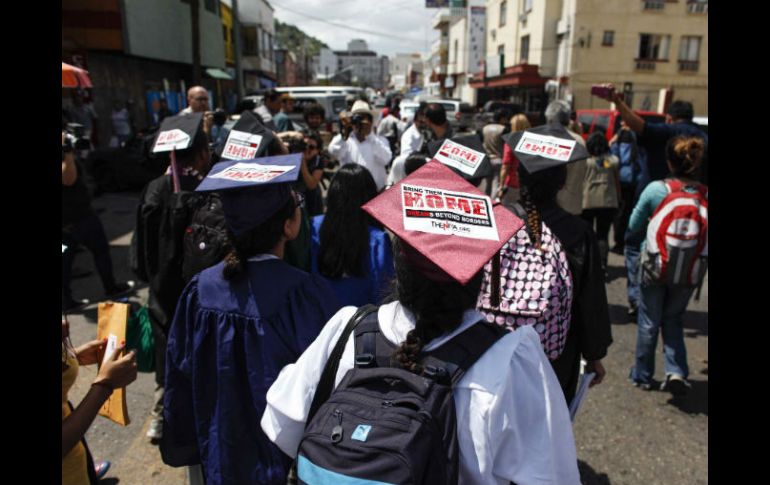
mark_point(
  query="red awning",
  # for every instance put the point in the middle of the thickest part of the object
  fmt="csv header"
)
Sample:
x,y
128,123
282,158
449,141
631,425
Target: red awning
x,y
74,77
522,75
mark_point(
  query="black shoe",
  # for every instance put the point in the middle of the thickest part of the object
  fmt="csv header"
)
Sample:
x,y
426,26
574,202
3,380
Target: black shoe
x,y
617,249
676,385
121,289
74,305
633,310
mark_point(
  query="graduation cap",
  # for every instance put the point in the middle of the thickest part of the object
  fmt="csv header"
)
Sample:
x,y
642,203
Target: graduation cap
x,y
545,147
450,229
177,132
248,139
465,155
252,190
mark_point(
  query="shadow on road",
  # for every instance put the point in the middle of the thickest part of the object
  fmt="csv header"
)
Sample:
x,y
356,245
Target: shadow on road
x,y
696,401
589,476
619,315
616,272
109,481
696,324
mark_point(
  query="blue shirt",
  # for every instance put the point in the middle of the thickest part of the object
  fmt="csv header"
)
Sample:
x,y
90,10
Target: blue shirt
x,y
654,138
379,269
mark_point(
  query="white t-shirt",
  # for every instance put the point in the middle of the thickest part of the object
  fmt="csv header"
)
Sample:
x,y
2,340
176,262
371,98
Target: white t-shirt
x,y
512,421
373,153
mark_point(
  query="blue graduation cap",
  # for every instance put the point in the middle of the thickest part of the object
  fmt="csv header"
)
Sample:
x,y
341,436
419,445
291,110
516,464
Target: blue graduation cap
x,y
252,190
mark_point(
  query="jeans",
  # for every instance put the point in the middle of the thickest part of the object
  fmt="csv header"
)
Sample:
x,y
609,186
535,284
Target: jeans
x,y
663,307
632,256
603,218
619,225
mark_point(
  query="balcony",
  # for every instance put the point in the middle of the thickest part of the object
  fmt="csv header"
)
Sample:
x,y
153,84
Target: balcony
x,y
688,66
645,65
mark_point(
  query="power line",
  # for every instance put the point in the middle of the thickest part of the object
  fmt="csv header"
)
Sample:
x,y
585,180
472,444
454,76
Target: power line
x,y
348,27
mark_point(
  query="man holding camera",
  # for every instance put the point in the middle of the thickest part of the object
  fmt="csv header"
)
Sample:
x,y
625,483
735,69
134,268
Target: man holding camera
x,y
358,144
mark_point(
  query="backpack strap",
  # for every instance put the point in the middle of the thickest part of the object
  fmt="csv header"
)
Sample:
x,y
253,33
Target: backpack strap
x,y
453,359
371,348
326,383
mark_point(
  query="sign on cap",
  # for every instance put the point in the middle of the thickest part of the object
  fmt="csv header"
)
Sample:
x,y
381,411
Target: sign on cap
x,y
444,212
545,146
241,145
251,172
175,139
460,157
177,132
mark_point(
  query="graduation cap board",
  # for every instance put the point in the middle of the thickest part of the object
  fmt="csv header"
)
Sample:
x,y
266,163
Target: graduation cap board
x,y
177,132
451,229
463,154
252,190
248,139
545,147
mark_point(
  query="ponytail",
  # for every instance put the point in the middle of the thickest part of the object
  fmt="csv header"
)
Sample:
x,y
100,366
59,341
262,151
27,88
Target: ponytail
x,y
685,155
534,219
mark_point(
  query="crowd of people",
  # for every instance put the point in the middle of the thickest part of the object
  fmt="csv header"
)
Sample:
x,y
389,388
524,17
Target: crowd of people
x,y
406,275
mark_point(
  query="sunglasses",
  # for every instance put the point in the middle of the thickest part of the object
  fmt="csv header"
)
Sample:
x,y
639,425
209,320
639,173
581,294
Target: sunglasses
x,y
201,99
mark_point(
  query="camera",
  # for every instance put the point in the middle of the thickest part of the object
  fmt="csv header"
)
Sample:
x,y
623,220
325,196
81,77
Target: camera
x,y
357,119
296,144
66,146
76,136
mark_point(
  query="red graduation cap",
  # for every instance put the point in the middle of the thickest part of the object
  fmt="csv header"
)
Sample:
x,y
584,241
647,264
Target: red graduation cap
x,y
451,229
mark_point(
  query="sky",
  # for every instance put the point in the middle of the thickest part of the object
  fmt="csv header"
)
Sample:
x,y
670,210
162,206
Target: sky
x,y
406,23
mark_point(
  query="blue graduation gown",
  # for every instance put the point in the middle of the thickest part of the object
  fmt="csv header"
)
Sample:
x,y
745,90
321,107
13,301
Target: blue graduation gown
x,y
226,345
379,269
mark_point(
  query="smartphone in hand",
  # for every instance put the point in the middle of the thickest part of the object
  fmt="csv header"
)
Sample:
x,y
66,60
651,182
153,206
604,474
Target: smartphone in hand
x,y
600,90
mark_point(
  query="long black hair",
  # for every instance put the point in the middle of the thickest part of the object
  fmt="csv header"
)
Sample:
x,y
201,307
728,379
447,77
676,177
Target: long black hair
x,y
261,239
539,190
345,230
437,306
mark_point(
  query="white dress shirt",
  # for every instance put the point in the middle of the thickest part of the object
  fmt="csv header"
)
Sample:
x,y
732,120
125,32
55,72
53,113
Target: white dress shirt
x,y
411,140
513,424
373,153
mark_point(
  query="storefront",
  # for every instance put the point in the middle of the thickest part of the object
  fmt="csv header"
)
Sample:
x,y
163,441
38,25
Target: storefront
x,y
521,84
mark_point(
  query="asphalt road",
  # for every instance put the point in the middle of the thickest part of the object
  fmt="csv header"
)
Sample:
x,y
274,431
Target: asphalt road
x,y
624,436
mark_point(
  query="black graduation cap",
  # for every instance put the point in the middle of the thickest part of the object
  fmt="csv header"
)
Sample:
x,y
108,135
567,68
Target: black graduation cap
x,y
248,139
252,190
465,155
545,147
177,132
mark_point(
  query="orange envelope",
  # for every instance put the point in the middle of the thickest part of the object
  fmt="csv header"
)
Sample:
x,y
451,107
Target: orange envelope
x,y
113,318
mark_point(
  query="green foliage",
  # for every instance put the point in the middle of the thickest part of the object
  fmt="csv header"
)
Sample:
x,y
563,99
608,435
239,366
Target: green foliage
x,y
291,38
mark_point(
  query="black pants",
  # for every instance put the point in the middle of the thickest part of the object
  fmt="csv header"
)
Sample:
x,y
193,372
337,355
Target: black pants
x,y
603,219
619,225
89,232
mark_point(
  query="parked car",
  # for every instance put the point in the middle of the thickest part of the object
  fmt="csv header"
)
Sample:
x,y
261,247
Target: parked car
x,y
609,121
408,109
487,113
459,114
702,122
332,103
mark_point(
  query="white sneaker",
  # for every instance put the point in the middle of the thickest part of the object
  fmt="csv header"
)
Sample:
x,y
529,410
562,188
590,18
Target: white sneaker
x,y
676,385
155,432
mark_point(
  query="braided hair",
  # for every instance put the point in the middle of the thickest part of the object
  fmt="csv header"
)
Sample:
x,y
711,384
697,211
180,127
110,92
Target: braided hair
x,y
261,239
437,306
538,190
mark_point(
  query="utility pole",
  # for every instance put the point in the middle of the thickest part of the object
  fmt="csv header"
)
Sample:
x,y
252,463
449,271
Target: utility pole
x,y
237,43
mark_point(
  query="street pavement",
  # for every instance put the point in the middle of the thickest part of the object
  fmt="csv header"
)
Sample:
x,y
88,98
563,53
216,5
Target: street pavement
x,y
624,436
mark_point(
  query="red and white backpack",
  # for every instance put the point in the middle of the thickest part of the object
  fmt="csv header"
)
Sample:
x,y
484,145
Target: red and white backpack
x,y
535,287
677,244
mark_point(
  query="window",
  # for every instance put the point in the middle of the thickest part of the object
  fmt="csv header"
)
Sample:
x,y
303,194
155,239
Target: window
x,y
698,6
524,54
212,6
501,49
689,51
653,4
653,47
527,6
250,43
609,38
455,58
503,12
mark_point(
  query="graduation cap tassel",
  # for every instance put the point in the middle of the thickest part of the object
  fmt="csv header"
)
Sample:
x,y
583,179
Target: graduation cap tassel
x,y
175,172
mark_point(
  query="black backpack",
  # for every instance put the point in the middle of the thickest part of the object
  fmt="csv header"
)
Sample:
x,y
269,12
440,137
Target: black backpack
x,y
384,423
206,240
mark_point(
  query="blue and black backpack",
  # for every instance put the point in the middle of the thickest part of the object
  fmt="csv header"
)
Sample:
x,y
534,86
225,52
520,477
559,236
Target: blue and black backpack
x,y
383,424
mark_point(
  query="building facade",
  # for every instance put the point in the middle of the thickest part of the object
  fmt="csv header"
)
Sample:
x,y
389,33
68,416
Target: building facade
x,y
539,50
359,65
257,44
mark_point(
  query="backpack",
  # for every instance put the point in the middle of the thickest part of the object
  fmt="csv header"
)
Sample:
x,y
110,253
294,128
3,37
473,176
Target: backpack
x,y
535,287
206,241
384,424
676,251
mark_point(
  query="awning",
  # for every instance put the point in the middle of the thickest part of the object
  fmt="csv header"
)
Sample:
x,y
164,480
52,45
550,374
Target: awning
x,y
219,74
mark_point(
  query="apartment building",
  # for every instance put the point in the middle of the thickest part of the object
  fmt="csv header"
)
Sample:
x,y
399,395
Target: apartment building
x,y
538,50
